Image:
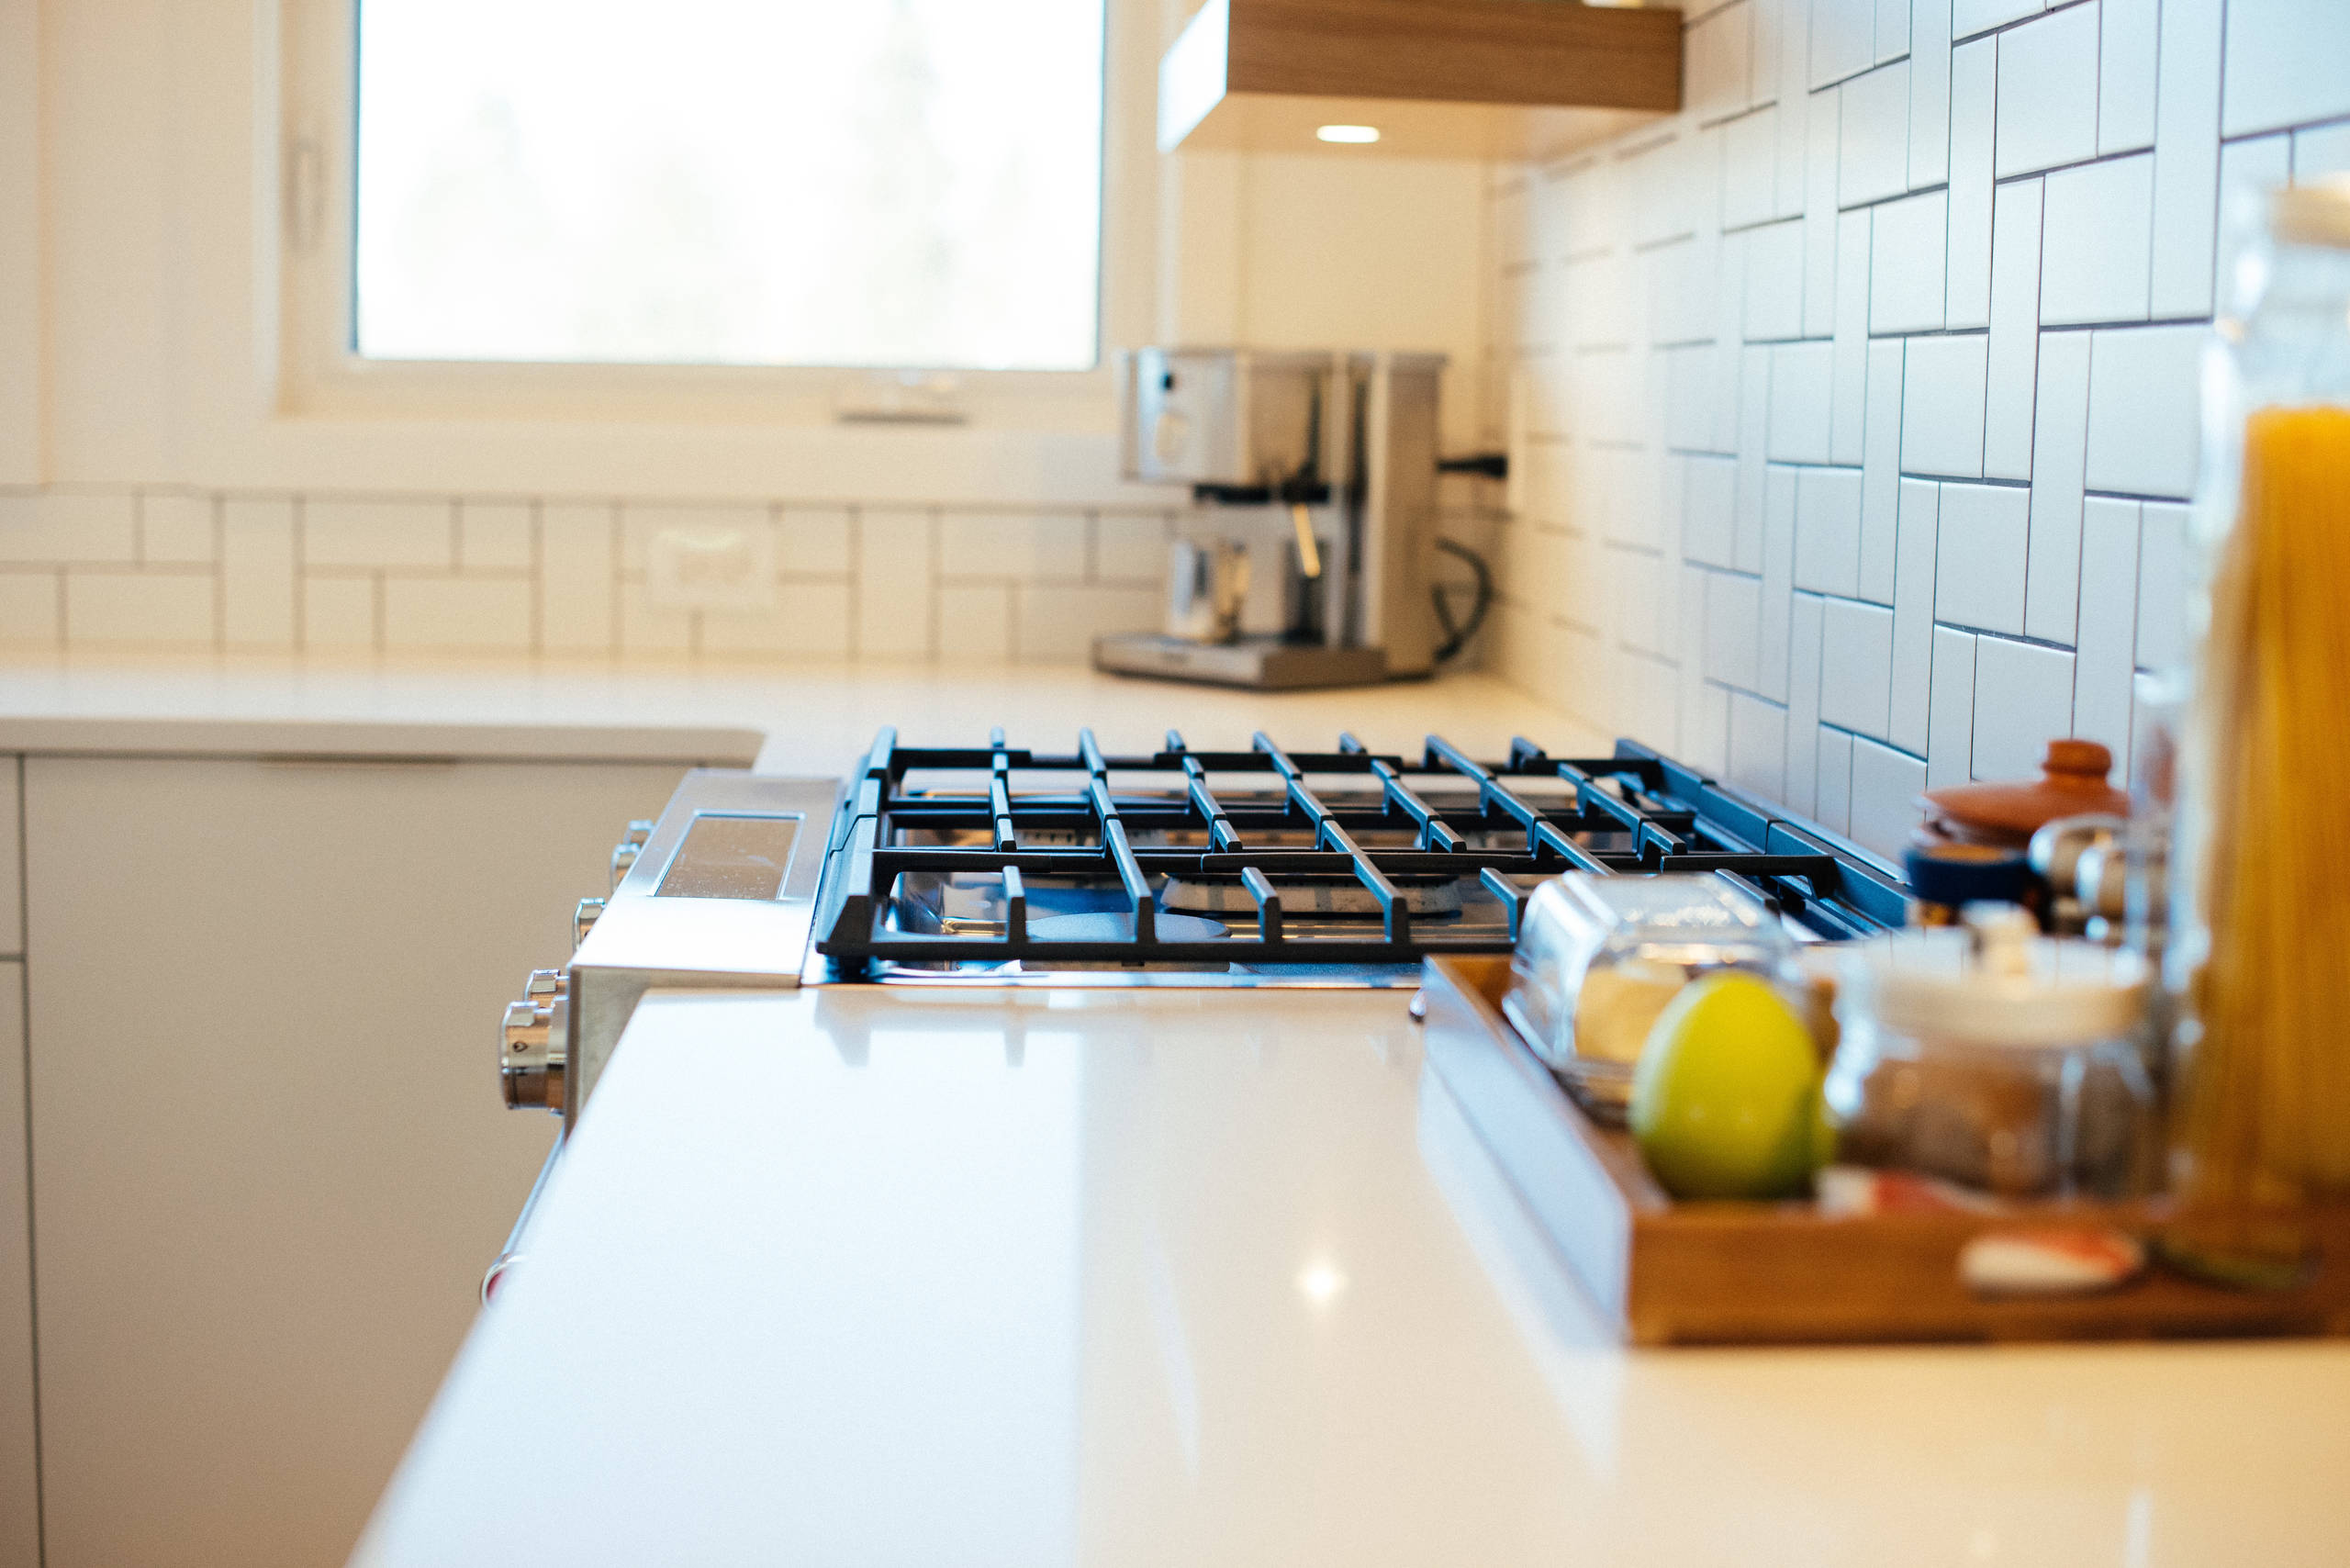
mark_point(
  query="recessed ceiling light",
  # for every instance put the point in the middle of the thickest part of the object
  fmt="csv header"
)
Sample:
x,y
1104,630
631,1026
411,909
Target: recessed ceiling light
x,y
1346,133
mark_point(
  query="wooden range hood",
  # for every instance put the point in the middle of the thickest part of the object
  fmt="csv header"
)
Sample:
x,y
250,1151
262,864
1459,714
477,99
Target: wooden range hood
x,y
1434,78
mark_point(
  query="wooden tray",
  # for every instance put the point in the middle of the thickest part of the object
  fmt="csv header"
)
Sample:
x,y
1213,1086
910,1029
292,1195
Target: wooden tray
x,y
1665,1272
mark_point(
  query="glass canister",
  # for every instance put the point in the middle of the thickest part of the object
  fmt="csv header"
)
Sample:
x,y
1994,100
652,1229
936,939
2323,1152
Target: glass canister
x,y
1599,958
2258,956
1992,1056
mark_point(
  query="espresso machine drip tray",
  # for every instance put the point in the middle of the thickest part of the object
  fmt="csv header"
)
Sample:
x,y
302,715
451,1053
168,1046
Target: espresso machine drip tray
x,y
1271,663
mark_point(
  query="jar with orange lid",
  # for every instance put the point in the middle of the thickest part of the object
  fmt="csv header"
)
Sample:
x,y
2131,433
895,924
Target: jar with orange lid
x,y
2258,960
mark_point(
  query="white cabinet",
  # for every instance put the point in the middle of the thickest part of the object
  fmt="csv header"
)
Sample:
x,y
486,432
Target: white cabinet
x,y
270,1160
19,1481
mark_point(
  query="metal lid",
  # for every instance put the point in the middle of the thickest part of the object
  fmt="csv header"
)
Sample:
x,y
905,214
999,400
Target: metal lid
x,y
1994,984
2317,213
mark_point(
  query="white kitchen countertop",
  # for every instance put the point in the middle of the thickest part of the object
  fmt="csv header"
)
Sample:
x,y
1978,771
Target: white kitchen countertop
x,y
1123,1278
815,719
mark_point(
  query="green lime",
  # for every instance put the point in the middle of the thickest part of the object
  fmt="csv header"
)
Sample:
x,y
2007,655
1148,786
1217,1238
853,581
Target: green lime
x,y
1725,1098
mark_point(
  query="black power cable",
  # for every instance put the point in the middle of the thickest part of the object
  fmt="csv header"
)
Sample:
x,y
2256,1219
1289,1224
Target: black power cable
x,y
1457,635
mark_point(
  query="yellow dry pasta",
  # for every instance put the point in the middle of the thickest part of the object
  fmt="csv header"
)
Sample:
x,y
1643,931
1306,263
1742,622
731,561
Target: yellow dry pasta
x,y
2267,1114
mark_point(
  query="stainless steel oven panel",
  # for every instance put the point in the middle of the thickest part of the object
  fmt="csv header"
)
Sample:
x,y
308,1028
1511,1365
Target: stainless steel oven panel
x,y
644,938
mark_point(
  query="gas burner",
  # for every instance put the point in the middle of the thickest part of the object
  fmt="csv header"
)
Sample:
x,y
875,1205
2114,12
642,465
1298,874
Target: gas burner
x,y
1000,860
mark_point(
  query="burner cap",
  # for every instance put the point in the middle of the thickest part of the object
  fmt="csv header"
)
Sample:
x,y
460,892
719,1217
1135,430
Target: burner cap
x,y
1102,926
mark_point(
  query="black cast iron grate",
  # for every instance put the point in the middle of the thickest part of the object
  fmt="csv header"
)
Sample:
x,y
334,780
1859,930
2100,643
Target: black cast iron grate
x,y
1634,812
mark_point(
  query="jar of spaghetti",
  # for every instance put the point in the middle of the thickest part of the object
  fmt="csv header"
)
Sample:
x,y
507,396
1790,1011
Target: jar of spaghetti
x,y
2258,960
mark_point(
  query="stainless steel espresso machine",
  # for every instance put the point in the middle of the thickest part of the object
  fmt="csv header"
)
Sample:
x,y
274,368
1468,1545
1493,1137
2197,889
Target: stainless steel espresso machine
x,y
1305,557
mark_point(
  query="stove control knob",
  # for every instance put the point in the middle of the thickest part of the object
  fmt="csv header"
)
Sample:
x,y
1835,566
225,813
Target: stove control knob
x,y
623,857
638,832
584,918
532,1050
546,985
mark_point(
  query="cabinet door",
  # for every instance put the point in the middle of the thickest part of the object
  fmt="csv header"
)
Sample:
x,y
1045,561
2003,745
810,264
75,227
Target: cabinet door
x,y
270,1156
19,1481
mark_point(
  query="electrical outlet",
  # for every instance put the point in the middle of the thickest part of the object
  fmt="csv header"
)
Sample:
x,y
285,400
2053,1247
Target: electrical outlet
x,y
711,569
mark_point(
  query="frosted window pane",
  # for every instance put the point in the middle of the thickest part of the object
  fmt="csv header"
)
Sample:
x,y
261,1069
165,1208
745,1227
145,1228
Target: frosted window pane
x,y
889,183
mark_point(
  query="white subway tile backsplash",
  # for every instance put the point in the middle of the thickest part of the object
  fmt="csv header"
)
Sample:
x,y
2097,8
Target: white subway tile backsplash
x,y
2324,150
2284,63
2186,156
67,525
177,528
981,544
1708,514
647,632
1972,93
1950,725
1057,624
1907,250
2106,657
1734,629
894,570
1758,745
1848,410
1753,432
1972,16
2161,611
1913,615
1128,550
2097,246
809,620
257,573
1873,136
813,542
1833,808
975,621
1802,391
1979,557
358,533
1828,530
1892,28
1775,281
1881,472
576,599
2023,700
338,614
1823,229
2125,92
1718,70
2060,445
154,608
1886,786
1799,111
495,536
1942,406
1705,728
2144,416
1930,88
458,614
2013,368
1843,40
30,613
2047,91
1855,666
1803,703
1778,582
1749,169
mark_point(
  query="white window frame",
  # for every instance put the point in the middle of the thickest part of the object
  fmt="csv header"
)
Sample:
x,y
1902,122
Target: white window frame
x,y
318,374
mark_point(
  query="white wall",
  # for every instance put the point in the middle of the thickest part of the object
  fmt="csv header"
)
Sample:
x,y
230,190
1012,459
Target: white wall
x,y
1858,403
160,485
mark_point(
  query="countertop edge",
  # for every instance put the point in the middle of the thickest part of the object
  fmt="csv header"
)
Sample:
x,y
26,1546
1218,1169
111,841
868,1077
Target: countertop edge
x,y
380,740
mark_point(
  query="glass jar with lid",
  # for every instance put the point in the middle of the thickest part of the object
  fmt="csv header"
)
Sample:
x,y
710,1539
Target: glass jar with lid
x,y
1994,1056
2258,955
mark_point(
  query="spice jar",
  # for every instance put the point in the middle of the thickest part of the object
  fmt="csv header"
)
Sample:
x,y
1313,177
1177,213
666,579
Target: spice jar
x,y
2258,956
1992,1056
